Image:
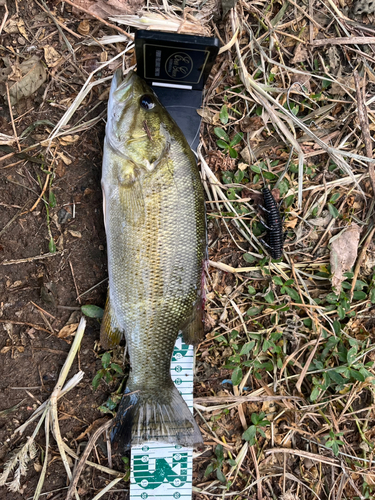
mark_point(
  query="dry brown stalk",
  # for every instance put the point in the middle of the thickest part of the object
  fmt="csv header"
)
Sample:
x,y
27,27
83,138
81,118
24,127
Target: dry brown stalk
x,y
30,259
113,26
365,128
313,456
242,399
352,40
62,25
37,327
308,363
360,260
11,117
85,454
4,18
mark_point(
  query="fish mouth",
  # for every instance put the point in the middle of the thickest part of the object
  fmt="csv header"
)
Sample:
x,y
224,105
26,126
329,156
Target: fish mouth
x,y
128,79
123,87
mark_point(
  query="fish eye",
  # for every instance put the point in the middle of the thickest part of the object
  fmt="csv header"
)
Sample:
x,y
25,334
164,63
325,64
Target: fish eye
x,y
147,102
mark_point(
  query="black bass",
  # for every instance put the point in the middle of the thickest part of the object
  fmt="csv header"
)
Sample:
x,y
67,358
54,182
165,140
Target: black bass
x,y
155,225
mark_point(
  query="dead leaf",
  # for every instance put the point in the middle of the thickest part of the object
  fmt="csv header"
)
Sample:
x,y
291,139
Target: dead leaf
x,y
51,56
33,76
291,223
11,26
67,331
37,466
303,80
16,284
344,251
338,88
60,169
66,140
64,158
300,54
22,29
208,116
252,125
322,221
76,234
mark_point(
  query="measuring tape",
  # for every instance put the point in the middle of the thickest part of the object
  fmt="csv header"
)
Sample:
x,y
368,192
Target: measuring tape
x,y
162,470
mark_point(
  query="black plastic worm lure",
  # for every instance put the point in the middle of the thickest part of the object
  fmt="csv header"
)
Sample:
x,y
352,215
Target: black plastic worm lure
x,y
274,223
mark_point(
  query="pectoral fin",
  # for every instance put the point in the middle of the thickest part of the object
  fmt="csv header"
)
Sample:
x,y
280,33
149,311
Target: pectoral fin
x,y
133,203
110,332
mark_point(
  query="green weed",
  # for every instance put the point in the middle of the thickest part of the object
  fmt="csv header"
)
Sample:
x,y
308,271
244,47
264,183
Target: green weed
x,y
226,143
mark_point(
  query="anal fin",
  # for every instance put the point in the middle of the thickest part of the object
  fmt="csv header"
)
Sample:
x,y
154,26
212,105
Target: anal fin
x,y
110,331
192,330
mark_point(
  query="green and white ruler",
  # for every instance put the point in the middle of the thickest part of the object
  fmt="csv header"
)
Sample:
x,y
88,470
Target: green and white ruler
x,y
164,471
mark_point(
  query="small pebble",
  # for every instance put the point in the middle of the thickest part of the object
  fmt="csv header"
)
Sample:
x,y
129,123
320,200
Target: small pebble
x,y
63,216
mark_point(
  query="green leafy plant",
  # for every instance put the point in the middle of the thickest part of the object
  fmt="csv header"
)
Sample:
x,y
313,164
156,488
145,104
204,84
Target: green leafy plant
x,y
51,203
331,205
334,443
224,117
217,464
226,143
109,371
252,432
126,462
92,311
348,370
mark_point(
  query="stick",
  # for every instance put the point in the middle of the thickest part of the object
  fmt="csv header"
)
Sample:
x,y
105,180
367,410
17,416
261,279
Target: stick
x,y
85,454
113,26
11,118
345,40
365,128
30,259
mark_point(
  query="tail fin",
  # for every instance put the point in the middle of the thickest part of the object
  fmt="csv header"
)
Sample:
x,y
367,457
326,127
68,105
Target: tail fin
x,y
159,416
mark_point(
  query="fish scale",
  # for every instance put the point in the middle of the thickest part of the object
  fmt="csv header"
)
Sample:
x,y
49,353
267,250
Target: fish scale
x,y
156,244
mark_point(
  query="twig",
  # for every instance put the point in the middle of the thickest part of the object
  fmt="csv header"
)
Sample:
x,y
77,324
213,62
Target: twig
x,y
4,18
107,488
306,454
11,118
41,194
308,363
37,327
82,461
364,123
113,26
360,260
242,399
31,259
256,467
92,288
59,23
74,281
344,41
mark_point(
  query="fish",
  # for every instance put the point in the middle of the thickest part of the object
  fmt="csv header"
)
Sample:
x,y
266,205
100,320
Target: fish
x,y
155,223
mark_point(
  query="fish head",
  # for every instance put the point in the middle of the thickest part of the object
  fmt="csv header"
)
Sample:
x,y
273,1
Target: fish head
x,y
137,127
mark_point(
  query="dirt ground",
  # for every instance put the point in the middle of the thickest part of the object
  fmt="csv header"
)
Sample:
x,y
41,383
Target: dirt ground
x,y
31,353
38,296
